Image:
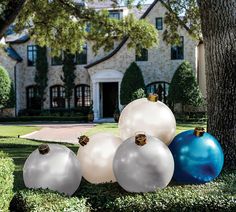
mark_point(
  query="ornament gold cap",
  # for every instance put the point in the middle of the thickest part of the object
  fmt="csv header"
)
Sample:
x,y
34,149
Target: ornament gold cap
x,y
83,140
43,149
199,131
153,97
140,139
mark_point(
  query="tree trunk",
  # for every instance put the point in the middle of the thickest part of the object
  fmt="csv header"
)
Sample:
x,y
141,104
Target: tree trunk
x,y
218,19
9,14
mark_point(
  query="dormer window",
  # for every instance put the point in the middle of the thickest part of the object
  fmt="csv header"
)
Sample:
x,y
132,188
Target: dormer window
x,y
115,14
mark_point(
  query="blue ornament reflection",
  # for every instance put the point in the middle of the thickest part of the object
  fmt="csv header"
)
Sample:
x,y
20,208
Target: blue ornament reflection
x,y
198,159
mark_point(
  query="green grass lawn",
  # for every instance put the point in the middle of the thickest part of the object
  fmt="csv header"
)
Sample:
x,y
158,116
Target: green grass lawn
x,y
112,127
13,131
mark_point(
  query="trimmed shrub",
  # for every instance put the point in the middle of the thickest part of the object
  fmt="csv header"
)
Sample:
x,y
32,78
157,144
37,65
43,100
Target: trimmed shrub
x,y
6,181
218,195
184,88
45,200
131,82
81,118
5,86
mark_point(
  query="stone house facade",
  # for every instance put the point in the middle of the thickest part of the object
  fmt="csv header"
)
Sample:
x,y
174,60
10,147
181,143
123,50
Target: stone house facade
x,y
98,77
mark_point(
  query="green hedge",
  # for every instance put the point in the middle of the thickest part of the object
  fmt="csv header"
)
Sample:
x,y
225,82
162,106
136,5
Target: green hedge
x,y
219,195
44,118
6,181
45,200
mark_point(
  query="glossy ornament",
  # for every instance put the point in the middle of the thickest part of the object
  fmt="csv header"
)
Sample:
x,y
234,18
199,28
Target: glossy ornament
x,y
96,155
53,166
198,156
150,116
143,164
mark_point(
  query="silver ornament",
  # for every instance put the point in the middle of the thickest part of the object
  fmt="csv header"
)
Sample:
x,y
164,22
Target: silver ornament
x,y
143,167
53,166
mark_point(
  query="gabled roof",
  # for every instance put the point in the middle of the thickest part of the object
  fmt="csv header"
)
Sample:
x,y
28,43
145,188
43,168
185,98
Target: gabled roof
x,y
11,52
17,38
122,42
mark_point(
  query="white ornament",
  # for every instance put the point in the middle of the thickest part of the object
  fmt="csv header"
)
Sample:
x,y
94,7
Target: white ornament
x,y
53,166
141,167
96,157
152,117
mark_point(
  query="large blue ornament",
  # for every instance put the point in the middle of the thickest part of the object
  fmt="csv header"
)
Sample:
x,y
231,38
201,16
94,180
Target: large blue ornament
x,y
198,157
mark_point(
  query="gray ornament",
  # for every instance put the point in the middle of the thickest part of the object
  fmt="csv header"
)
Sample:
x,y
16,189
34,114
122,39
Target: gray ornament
x,y
53,166
143,164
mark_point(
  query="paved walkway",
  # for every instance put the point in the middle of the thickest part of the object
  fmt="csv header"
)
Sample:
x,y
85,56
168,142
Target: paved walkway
x,y
67,133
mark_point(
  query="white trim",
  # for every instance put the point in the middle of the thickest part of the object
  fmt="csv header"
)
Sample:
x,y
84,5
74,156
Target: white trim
x,y
101,77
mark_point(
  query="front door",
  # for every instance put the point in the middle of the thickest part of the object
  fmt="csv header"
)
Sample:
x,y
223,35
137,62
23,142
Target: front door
x,y
109,98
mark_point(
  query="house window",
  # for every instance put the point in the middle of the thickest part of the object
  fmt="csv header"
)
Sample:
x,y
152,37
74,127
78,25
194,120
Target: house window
x,y
57,96
161,88
57,60
32,97
159,23
81,58
114,14
143,56
82,96
31,55
177,51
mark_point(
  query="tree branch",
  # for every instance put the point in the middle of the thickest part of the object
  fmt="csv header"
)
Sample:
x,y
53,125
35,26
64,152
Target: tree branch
x,y
10,13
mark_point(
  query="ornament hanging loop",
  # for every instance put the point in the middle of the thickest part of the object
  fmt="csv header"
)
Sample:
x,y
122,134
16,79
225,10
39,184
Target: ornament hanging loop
x,y
140,139
153,97
199,131
83,140
43,149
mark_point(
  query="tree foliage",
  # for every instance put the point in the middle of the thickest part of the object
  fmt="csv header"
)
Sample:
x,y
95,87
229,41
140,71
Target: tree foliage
x,y
184,88
131,83
59,22
11,102
68,75
5,87
41,75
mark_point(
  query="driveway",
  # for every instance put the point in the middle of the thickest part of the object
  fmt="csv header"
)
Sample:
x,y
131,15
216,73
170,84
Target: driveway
x,y
66,133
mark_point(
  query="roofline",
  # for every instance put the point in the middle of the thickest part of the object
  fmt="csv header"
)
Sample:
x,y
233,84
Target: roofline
x,y
122,42
19,41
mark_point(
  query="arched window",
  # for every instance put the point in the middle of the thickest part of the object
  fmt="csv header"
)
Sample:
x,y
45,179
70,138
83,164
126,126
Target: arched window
x,y
32,97
82,96
57,96
161,88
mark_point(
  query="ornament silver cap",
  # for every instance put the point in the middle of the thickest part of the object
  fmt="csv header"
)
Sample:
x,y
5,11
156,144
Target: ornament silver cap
x,y
83,140
153,97
199,131
140,139
44,149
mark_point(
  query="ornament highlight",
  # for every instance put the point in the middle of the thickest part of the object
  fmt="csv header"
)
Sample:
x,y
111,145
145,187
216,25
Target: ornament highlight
x,y
53,166
198,156
96,156
150,116
143,164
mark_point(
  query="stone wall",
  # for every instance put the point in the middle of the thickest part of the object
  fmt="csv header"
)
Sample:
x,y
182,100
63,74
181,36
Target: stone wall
x,y
159,66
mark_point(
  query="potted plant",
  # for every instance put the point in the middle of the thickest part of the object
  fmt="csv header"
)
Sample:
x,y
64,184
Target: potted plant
x,y
90,113
116,114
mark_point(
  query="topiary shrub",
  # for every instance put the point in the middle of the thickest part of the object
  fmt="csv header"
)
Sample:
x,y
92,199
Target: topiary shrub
x,y
5,86
45,200
184,88
6,181
131,82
